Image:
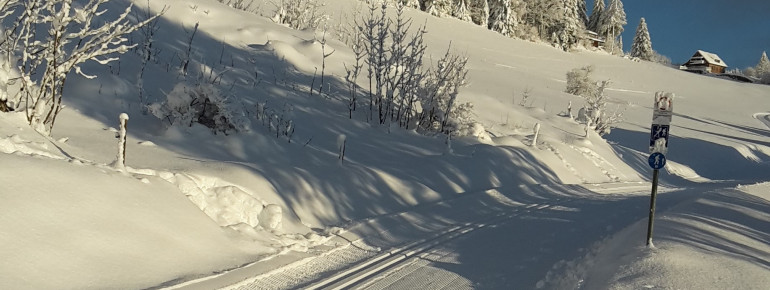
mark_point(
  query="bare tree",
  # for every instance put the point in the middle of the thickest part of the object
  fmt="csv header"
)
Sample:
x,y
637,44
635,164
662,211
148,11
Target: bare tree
x,y
400,89
7,49
51,38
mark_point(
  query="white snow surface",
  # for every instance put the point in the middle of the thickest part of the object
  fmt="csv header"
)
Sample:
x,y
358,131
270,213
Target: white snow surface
x,y
202,211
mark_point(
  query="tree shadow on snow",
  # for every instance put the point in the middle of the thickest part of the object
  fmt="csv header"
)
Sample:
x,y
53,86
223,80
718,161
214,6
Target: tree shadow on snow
x,y
732,224
384,169
709,160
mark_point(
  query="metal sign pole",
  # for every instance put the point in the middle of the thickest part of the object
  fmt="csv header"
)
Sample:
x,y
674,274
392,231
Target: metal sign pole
x,y
659,133
652,206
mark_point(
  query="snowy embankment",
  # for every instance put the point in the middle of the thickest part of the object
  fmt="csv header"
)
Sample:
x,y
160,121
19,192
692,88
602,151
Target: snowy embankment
x,y
716,239
70,221
764,118
191,203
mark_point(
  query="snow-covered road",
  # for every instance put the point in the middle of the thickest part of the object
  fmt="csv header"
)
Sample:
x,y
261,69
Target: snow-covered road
x,y
526,249
484,240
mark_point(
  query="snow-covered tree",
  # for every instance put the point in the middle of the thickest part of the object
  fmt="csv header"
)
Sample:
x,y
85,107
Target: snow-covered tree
x,y
479,12
462,11
762,70
411,3
50,39
439,99
440,8
542,15
400,90
659,58
612,22
583,10
500,16
6,59
642,46
556,21
595,21
571,27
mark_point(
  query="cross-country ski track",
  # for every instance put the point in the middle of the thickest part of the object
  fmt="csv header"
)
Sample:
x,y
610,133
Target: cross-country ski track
x,y
446,245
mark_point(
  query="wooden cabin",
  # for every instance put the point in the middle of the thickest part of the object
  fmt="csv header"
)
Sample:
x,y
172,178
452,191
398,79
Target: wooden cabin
x,y
592,39
705,62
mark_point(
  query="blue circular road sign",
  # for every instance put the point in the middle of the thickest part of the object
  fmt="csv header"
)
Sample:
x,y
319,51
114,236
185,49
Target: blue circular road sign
x,y
657,160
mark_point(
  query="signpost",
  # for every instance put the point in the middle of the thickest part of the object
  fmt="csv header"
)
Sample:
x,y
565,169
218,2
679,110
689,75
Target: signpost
x,y
659,132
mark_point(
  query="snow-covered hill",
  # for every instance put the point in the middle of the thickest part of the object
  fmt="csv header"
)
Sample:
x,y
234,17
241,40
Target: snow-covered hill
x,y
192,203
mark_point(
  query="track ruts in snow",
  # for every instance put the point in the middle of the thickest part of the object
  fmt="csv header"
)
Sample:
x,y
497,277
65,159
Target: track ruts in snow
x,y
293,277
396,257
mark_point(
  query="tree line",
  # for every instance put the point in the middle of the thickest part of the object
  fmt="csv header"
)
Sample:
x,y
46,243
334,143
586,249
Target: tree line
x,y
559,22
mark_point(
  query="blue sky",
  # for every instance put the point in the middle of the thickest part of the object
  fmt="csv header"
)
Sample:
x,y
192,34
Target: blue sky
x,y
736,30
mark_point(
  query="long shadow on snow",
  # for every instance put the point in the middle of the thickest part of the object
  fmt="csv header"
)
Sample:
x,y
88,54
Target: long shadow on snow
x,y
729,223
707,159
374,180
542,243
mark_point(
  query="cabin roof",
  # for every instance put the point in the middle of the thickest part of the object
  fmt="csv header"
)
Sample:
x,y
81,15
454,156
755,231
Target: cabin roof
x,y
711,58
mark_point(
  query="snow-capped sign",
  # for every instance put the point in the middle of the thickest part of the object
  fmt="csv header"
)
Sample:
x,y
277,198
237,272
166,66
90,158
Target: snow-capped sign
x,y
661,120
663,109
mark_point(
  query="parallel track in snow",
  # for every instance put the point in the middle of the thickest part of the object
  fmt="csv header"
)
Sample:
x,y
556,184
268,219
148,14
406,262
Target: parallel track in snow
x,y
393,258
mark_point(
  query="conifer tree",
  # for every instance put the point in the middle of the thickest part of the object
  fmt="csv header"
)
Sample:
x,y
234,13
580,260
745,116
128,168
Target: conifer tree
x,y
411,3
440,8
556,21
500,16
461,10
642,46
582,9
566,30
594,22
763,68
542,15
612,21
479,12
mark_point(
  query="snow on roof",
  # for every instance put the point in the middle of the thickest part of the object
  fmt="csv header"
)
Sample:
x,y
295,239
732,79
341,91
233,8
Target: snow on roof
x,y
712,58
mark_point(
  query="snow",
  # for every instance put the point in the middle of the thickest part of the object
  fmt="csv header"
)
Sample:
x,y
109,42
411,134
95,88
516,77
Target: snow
x,y
197,210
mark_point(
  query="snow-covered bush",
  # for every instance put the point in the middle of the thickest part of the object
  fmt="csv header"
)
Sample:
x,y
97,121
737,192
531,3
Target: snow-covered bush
x,y
594,113
203,104
440,111
462,120
760,72
299,14
73,34
245,5
661,59
579,82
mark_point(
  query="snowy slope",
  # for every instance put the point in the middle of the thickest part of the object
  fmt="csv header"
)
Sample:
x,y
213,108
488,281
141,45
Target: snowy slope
x,y
193,203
